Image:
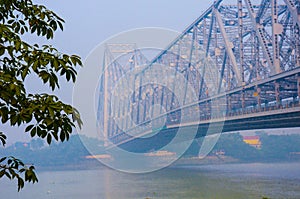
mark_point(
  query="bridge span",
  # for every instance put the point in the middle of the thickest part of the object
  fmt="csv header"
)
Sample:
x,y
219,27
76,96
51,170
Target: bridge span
x,y
239,66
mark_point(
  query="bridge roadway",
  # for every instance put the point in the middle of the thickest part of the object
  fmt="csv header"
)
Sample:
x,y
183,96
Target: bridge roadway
x,y
284,116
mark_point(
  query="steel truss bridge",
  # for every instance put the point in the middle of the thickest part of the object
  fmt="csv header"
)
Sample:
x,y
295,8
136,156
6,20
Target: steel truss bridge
x,y
241,59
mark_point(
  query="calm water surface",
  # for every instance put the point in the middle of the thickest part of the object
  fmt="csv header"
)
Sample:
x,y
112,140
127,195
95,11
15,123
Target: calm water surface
x,y
189,182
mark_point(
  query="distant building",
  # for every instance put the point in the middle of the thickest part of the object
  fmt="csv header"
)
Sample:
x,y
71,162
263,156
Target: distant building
x,y
253,141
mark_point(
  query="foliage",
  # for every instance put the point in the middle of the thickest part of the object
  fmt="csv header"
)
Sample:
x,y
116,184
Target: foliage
x,y
59,155
13,168
274,148
234,146
44,115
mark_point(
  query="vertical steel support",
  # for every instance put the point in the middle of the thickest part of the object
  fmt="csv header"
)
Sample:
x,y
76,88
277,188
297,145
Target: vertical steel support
x,y
192,45
186,86
190,60
212,21
258,92
121,113
229,87
277,93
135,58
206,53
204,34
243,98
124,113
298,87
222,72
127,115
229,103
276,30
229,78
114,115
297,29
139,100
119,109
294,10
161,100
241,47
217,51
145,108
257,52
106,114
153,102
175,74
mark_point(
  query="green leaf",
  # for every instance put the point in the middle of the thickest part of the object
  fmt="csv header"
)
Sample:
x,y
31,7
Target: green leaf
x,y
2,172
62,136
17,45
10,21
55,135
53,25
33,29
55,63
13,120
2,159
20,184
68,75
49,138
22,22
22,31
28,128
51,111
24,72
39,131
2,139
7,175
2,50
60,25
33,132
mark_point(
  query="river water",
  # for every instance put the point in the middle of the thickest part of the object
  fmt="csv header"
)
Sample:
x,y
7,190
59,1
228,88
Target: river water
x,y
257,180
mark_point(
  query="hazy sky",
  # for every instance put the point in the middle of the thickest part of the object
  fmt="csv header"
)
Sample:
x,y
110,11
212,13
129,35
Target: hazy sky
x,y
90,22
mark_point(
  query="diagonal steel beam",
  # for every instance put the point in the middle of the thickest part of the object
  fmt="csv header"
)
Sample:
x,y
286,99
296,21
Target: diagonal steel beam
x,y
293,10
259,29
228,46
263,6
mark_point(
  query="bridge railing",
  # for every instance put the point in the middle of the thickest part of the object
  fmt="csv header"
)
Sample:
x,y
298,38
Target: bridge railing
x,y
174,118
